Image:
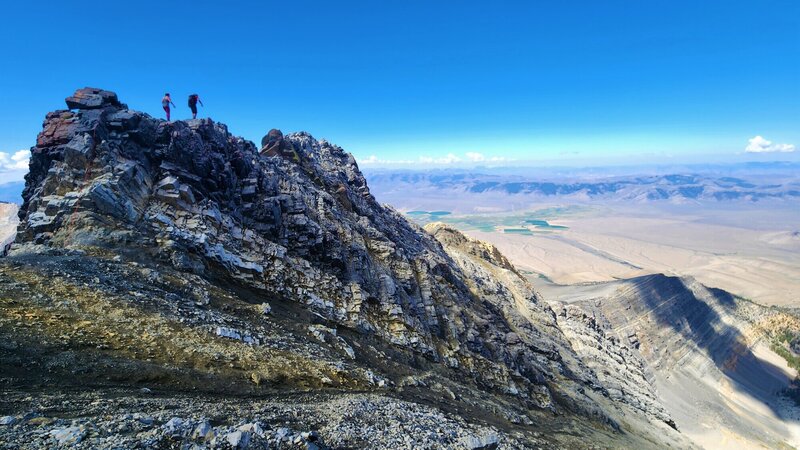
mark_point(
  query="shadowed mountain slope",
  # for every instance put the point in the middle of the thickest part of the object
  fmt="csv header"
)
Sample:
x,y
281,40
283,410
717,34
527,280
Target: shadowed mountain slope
x,y
708,356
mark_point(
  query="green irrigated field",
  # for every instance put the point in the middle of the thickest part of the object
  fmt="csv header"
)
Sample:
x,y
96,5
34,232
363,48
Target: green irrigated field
x,y
531,222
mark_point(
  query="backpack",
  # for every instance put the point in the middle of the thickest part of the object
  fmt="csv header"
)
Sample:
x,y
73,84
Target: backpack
x,y
193,100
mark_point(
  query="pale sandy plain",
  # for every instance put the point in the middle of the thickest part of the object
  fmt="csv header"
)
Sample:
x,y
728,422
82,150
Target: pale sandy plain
x,y
8,222
753,253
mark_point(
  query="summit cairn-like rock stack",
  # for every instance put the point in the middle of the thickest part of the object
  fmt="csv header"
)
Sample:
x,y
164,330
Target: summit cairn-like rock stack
x,y
92,98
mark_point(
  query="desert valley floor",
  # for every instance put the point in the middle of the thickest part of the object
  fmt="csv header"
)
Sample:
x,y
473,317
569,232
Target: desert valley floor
x,y
589,244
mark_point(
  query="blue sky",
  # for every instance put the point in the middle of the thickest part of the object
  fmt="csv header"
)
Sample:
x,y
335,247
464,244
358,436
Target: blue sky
x,y
582,82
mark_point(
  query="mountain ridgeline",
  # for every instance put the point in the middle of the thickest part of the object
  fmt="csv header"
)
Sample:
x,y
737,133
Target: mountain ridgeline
x,y
272,300
765,182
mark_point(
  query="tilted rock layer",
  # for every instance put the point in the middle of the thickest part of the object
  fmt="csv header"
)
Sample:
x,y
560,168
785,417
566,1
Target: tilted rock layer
x,y
197,224
302,227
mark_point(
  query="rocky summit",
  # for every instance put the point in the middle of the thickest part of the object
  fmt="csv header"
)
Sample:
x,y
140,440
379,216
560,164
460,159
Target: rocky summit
x,y
174,286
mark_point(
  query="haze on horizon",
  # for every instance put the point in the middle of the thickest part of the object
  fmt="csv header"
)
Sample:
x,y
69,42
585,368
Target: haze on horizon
x,y
428,85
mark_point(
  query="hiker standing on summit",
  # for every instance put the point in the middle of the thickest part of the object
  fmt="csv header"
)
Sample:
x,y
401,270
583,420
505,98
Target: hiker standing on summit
x,y
193,99
165,102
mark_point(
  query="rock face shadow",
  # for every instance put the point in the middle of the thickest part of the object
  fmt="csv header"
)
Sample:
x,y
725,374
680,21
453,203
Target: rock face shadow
x,y
706,318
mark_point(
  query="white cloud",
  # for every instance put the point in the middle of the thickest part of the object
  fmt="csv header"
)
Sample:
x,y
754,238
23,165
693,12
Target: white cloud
x,y
450,158
475,156
760,145
480,157
372,159
13,162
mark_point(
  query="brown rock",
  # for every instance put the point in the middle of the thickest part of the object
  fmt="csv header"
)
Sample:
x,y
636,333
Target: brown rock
x,y
92,98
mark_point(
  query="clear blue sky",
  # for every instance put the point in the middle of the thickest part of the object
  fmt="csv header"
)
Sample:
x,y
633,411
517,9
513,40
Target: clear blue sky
x,y
417,80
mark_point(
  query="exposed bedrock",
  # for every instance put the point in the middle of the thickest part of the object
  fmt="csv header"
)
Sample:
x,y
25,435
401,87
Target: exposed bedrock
x,y
178,254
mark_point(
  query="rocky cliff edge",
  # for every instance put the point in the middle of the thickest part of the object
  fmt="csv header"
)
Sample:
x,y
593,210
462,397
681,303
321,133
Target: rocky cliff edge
x,y
179,256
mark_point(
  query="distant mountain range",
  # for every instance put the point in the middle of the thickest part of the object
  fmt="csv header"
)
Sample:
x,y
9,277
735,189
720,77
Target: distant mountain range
x,y
752,182
11,192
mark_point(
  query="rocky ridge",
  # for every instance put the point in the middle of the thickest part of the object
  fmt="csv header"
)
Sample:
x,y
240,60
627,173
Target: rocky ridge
x,y
691,346
176,256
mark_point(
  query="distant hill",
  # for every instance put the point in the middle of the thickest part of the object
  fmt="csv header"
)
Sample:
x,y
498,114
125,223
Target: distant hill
x,y
12,192
751,183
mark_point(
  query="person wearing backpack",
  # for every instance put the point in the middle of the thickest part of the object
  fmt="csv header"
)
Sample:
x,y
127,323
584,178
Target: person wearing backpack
x,y
193,100
165,102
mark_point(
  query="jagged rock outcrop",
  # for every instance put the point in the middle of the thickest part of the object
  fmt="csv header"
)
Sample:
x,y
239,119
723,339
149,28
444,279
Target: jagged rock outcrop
x,y
162,240
303,227
618,367
597,359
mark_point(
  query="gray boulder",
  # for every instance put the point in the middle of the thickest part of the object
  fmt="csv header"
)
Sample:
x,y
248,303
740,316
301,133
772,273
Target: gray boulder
x,y
92,98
